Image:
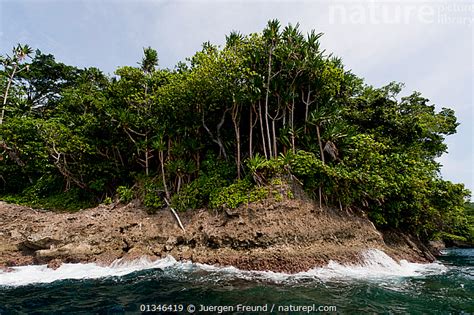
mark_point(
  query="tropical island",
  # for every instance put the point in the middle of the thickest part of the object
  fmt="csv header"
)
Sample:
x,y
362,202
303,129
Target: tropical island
x,y
264,154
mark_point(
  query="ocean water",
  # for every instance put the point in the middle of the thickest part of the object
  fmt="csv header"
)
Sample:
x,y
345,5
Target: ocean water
x,y
379,285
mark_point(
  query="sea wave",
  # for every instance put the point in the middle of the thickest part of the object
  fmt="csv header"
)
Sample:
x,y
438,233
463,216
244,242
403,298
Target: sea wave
x,y
376,265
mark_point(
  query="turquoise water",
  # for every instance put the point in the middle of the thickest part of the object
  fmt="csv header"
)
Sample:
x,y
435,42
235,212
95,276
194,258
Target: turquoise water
x,y
378,286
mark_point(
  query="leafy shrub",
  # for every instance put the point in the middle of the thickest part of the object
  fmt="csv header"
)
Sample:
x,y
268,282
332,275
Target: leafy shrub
x,y
124,193
197,193
150,191
262,170
242,191
451,237
107,201
215,173
46,185
72,200
152,195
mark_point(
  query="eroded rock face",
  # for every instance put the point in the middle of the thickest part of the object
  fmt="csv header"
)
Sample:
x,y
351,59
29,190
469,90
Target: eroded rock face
x,y
39,241
289,236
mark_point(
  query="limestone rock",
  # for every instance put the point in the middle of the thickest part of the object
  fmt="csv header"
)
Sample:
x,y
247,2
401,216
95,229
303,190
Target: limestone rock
x,y
40,241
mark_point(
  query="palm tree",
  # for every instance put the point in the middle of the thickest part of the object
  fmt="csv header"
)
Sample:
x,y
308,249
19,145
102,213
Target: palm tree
x,y
14,66
149,60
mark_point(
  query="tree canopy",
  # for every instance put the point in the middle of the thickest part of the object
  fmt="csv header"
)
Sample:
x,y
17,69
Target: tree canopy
x,y
225,121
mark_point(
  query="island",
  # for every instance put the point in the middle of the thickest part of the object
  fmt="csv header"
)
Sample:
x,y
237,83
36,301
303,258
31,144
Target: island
x,y
265,154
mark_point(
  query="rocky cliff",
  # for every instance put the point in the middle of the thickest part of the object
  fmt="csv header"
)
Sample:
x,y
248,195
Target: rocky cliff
x,y
288,236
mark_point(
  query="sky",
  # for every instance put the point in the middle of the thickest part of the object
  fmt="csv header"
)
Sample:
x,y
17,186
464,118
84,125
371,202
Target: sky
x,y
427,45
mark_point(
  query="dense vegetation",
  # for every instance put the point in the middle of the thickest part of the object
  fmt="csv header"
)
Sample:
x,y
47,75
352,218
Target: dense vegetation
x,y
226,127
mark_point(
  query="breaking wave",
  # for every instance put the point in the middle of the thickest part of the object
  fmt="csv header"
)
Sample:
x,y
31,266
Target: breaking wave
x,y
376,265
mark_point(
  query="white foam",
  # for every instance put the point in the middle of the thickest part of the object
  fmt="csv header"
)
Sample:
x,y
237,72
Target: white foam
x,y
376,265
42,274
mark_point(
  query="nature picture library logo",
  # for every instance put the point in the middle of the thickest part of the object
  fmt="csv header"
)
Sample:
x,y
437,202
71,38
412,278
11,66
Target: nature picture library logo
x,y
402,12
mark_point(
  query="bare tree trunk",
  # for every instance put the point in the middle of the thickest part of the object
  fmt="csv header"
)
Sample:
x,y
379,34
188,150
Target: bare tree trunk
x,y
217,140
320,198
320,143
147,153
275,153
236,121
261,129
267,95
251,132
275,118
292,125
5,96
238,152
306,102
162,163
252,124
178,186
175,215
322,159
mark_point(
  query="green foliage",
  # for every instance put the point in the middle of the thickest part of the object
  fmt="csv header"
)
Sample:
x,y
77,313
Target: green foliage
x,y
452,237
125,194
72,200
262,170
242,191
215,173
150,191
107,200
274,100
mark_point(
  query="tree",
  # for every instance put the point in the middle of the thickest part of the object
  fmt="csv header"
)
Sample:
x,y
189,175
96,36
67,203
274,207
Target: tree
x,y
12,66
220,125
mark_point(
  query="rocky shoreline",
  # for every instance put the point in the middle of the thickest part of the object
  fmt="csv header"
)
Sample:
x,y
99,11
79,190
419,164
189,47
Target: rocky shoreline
x,y
288,236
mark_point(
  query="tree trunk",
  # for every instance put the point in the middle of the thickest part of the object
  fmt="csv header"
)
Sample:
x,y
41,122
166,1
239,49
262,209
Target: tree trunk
x,y
5,96
198,161
275,153
238,152
162,163
322,159
147,156
261,129
292,125
267,95
320,198
320,143
178,186
236,121
306,103
251,132
217,140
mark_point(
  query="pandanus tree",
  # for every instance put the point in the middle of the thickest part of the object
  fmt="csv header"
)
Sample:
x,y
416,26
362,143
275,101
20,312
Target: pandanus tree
x,y
271,36
133,106
148,66
312,65
291,53
13,65
239,79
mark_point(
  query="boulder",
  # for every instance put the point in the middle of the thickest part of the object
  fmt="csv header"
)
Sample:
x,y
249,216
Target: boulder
x,y
71,251
39,241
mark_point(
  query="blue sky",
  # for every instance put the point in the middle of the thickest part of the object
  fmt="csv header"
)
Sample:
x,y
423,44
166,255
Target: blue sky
x,y
428,45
